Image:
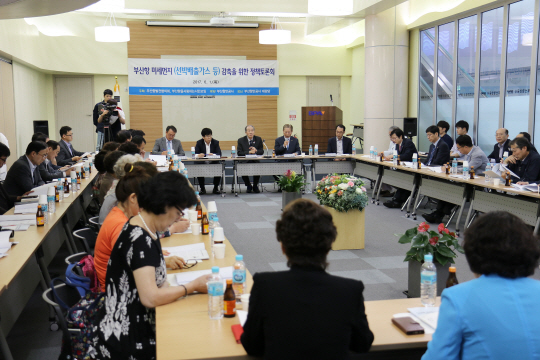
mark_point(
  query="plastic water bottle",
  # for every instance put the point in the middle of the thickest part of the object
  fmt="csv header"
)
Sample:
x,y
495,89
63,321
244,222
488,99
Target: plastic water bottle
x,y
169,155
43,202
354,149
86,169
394,158
73,182
215,295
233,152
415,161
316,153
193,153
51,205
374,153
239,277
428,281
466,170
216,225
371,152
60,187
505,155
488,168
175,161
454,166
310,150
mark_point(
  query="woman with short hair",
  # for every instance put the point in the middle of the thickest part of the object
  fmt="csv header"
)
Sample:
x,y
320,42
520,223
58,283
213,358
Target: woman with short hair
x,y
136,279
305,313
496,315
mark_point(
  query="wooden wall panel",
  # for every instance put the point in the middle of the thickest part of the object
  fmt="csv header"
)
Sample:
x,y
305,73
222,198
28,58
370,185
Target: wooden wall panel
x,y
150,42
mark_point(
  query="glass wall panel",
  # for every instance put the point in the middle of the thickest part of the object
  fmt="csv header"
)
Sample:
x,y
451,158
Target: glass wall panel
x,y
466,54
445,73
490,76
537,112
427,66
518,66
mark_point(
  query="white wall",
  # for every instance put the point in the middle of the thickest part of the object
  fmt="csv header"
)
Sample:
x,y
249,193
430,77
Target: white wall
x,y
33,101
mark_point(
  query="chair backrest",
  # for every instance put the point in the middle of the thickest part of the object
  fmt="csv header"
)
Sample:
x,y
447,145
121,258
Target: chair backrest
x,y
87,237
94,223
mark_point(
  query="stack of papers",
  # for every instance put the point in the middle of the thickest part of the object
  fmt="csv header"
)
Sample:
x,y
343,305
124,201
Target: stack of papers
x,y
436,169
289,155
189,252
212,157
427,315
5,244
186,277
6,220
42,190
530,187
26,208
248,156
161,160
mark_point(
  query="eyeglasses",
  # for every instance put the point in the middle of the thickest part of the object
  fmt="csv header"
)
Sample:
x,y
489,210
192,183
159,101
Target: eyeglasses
x,y
69,134
181,211
190,263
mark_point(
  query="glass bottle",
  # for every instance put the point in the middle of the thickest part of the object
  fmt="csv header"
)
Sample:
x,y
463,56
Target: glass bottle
x,y
229,301
205,224
452,279
40,217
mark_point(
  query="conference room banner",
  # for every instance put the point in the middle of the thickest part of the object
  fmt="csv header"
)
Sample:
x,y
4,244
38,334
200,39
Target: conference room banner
x,y
211,77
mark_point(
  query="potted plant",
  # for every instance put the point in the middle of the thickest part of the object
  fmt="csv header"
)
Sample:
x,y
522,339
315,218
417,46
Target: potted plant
x,y
291,185
442,244
345,197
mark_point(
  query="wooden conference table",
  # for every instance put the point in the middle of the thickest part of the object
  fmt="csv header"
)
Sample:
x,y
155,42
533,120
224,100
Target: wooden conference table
x,y
26,264
184,330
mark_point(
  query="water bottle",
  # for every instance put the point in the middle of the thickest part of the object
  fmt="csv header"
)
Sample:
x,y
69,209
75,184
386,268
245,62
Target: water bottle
x,y
43,202
428,281
51,206
216,225
310,150
454,166
233,152
394,158
239,277
374,153
505,155
316,150
193,153
175,161
215,295
60,187
86,169
371,152
169,155
466,170
415,161
488,168
73,182
354,149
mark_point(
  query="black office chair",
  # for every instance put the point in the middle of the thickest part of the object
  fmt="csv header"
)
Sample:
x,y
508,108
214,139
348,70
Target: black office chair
x,y
87,238
69,296
75,258
93,223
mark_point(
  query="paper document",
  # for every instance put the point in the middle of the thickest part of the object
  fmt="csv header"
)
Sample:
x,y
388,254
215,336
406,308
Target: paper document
x,y
428,315
185,277
407,164
289,155
493,175
42,190
436,169
26,208
330,154
212,157
366,156
242,316
161,160
189,252
6,220
86,154
249,156
16,227
530,187
5,245
510,171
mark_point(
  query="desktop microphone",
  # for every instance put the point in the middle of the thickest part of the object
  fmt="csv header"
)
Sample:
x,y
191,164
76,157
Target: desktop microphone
x,y
267,156
332,101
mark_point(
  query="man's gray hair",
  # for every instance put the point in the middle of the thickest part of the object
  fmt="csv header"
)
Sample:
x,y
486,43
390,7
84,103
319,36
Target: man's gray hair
x,y
392,128
249,126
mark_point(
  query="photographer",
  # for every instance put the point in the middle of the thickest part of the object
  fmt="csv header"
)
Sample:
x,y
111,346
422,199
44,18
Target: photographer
x,y
111,117
107,94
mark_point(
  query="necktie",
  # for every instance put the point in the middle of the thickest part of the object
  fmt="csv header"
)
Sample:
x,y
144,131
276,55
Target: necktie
x,y
251,142
432,148
289,141
169,145
70,149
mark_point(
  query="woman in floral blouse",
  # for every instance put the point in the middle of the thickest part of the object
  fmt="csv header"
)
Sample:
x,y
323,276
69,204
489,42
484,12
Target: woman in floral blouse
x,y
136,273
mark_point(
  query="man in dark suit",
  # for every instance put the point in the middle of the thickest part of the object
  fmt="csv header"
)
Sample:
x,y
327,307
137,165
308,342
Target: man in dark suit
x,y
305,313
502,145
208,146
67,155
405,149
527,162
339,144
163,144
253,145
24,175
439,152
444,126
6,201
47,169
287,144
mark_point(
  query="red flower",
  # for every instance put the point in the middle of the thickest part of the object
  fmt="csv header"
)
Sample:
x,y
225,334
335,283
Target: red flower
x,y
288,173
441,227
453,234
423,227
433,241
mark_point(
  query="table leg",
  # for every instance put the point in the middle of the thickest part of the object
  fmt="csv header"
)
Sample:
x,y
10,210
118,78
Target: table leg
x,y
70,243
469,213
415,189
378,185
85,217
4,348
537,226
222,179
235,182
463,202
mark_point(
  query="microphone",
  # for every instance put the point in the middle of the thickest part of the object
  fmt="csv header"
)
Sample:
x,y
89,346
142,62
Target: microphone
x,y
267,156
332,101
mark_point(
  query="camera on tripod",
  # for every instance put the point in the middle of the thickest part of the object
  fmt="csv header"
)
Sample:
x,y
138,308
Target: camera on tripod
x,y
111,107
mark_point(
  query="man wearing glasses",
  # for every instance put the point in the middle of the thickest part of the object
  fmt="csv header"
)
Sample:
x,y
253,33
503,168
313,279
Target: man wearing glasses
x,y
67,155
24,175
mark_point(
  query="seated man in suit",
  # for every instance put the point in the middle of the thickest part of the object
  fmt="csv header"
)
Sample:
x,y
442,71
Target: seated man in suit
x,y
39,136
444,126
48,168
502,145
208,146
123,136
462,128
287,144
339,144
511,159
24,175
405,149
439,152
323,313
67,155
476,158
250,144
140,142
163,144
527,165
6,201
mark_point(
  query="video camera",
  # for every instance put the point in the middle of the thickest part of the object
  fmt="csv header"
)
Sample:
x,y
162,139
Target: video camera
x,y
112,111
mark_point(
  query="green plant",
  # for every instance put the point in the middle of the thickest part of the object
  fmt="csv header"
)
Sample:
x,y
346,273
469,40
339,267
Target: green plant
x,y
443,245
342,192
291,181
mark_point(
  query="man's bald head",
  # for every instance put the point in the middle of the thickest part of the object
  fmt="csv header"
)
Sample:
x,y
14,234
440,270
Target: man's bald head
x,y
501,135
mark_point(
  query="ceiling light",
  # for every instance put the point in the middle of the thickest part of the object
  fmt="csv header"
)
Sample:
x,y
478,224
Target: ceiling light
x,y
526,39
110,32
330,8
275,36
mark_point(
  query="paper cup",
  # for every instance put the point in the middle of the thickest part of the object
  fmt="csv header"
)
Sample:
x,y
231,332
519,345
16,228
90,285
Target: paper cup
x,y
496,182
211,207
196,229
245,301
42,199
193,216
219,235
219,250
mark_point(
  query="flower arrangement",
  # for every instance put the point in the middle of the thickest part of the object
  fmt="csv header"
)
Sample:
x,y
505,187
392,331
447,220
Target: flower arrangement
x,y
441,244
291,181
342,192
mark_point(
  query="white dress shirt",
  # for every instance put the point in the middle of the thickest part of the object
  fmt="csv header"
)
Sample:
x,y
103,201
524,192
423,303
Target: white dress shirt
x,y
207,147
339,146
